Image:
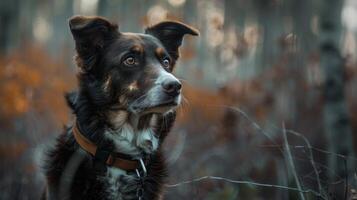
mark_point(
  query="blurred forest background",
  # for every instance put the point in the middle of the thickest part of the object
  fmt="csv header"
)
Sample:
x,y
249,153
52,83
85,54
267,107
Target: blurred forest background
x,y
271,89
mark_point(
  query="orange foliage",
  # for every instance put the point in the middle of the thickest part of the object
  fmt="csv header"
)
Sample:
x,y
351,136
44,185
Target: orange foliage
x,y
200,100
13,150
32,81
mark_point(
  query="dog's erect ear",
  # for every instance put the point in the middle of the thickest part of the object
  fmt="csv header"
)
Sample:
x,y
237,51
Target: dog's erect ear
x,y
90,35
170,34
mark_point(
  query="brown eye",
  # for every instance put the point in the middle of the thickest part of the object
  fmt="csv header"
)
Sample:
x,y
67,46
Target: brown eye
x,y
166,62
130,61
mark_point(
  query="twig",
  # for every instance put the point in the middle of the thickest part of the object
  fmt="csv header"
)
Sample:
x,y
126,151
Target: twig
x,y
346,180
246,116
311,157
342,179
334,154
314,148
217,178
291,162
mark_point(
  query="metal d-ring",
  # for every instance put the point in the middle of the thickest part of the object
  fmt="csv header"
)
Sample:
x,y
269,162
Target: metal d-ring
x,y
140,190
142,165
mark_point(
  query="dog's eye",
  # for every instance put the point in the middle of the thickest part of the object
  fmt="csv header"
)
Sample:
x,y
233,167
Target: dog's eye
x,y
166,62
130,61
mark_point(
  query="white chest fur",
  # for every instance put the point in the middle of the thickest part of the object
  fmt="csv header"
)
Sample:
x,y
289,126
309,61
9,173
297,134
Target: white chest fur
x,y
121,185
128,140
113,180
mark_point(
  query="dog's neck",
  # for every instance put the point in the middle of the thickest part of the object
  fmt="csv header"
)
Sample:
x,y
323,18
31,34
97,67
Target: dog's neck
x,y
119,130
132,134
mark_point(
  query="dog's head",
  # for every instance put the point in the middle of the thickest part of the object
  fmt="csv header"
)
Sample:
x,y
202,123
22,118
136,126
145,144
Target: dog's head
x,y
129,71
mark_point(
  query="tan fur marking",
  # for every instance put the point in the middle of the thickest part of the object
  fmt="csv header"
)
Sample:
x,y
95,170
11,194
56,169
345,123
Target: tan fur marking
x,y
122,99
138,48
107,83
133,86
160,52
153,120
117,118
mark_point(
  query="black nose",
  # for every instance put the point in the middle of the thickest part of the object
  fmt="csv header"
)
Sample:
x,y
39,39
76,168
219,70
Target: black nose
x,y
171,86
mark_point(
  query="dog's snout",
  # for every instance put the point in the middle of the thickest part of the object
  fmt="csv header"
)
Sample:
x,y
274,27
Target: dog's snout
x,y
171,86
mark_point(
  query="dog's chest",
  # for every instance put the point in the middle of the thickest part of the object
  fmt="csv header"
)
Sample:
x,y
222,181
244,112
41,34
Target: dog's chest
x,y
119,184
129,139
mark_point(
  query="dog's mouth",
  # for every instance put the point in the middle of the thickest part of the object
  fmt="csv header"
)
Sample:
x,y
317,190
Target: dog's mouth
x,y
171,103
160,107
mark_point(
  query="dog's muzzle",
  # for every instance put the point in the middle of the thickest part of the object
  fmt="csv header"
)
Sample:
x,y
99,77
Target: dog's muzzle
x,y
162,97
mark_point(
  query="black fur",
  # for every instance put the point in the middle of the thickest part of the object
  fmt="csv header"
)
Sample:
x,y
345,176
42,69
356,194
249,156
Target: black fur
x,y
70,171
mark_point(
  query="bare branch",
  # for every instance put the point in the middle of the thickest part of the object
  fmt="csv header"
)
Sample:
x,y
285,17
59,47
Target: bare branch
x,y
291,162
311,157
315,149
217,178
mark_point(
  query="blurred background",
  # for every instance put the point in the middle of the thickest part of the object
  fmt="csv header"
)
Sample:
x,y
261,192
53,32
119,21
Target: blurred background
x,y
270,88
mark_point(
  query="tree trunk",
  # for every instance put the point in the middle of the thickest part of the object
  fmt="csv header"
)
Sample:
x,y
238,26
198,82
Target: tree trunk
x,y
9,22
336,119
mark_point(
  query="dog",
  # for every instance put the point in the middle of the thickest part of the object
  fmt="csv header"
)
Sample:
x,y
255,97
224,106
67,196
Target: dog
x,y
124,108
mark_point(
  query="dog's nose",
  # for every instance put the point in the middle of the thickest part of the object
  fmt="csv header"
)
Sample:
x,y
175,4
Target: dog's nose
x,y
171,86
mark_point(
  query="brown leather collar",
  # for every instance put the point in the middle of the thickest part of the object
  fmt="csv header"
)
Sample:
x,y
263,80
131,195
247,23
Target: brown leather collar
x,y
84,143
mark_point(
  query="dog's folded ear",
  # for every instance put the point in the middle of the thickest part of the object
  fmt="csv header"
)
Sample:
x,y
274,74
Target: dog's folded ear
x,y
90,35
171,34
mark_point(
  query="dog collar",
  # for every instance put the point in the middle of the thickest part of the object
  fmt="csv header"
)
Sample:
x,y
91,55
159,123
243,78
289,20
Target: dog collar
x,y
110,158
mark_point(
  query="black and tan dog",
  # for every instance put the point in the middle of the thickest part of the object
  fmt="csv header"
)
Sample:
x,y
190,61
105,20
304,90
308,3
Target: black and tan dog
x,y
124,108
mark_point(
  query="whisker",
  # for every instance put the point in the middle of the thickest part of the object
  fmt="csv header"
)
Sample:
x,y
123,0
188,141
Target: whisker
x,y
181,79
184,103
181,108
185,100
